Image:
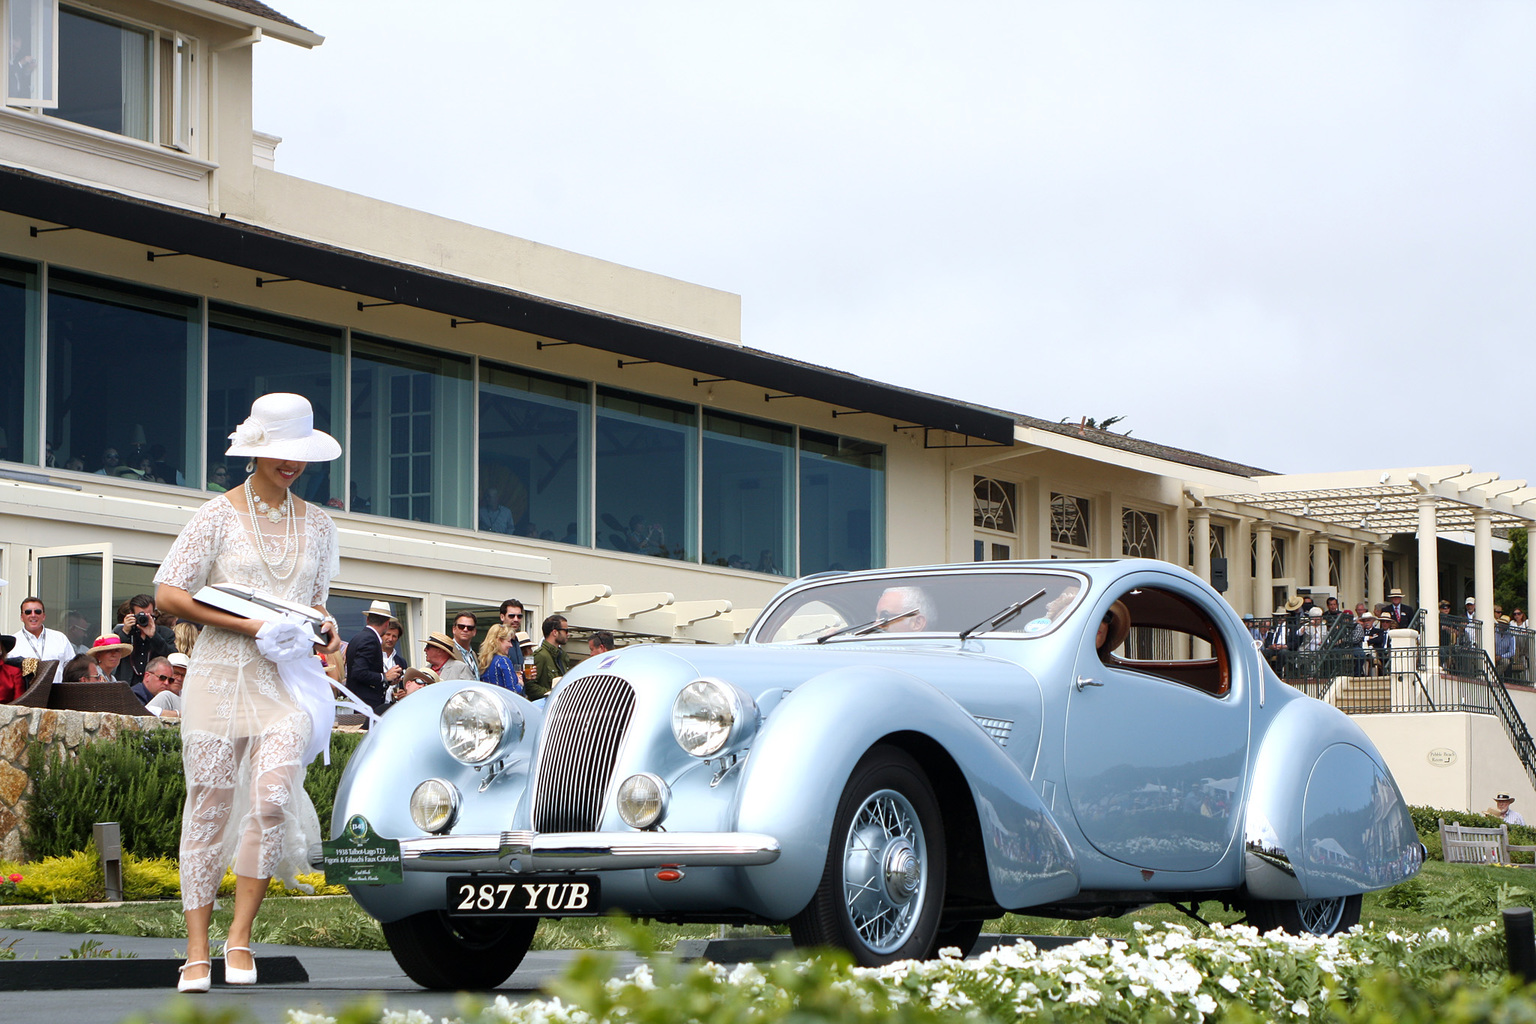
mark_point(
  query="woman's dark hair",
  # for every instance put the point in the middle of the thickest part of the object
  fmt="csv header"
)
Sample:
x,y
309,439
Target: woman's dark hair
x,y
78,668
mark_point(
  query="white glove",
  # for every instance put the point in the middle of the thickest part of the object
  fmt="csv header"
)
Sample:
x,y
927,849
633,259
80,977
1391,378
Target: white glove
x,y
283,641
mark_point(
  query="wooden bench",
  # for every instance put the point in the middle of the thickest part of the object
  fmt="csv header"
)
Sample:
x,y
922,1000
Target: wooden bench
x,y
1463,844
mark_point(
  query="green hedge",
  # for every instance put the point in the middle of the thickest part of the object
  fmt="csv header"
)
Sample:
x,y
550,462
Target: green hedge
x,y
135,780
1427,821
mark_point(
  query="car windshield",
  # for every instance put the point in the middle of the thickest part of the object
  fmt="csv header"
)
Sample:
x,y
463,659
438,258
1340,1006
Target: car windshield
x,y
946,602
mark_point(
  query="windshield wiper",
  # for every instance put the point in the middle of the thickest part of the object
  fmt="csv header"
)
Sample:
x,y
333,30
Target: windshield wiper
x,y
872,626
1005,615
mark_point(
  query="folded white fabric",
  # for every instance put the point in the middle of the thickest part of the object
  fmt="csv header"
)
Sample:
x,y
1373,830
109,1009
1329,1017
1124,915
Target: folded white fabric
x,y
284,641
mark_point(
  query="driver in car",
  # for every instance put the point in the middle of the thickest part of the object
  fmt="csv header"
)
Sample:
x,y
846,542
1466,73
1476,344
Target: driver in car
x,y
904,610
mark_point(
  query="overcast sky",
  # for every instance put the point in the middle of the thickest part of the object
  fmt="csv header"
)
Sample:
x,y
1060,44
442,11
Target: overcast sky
x,y
1296,235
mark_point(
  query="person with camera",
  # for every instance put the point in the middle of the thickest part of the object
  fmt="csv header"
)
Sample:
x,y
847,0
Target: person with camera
x,y
149,640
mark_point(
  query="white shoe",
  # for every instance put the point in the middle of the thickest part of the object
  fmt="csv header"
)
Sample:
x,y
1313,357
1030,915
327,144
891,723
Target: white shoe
x,y
186,984
239,975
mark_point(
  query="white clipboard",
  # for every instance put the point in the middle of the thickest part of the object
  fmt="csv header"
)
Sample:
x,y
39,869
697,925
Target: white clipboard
x,y
250,603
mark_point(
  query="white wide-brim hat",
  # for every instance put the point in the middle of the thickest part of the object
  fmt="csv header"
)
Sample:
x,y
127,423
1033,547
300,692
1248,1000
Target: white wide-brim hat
x,y
282,426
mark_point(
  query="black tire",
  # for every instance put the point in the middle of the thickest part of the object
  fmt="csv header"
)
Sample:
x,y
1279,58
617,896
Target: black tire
x,y
882,889
962,934
1306,917
459,953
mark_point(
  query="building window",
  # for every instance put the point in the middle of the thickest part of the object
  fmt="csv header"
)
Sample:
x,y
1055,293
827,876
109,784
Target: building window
x,y
842,503
120,78
31,29
1138,533
1277,559
1069,521
252,354
19,304
535,447
994,502
124,379
1218,541
647,472
748,490
1388,575
411,433
1335,570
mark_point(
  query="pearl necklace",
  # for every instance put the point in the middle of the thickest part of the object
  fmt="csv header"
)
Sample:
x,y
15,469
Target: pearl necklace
x,y
279,560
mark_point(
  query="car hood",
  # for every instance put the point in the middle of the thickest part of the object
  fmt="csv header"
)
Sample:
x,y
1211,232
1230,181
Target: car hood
x,y
1001,695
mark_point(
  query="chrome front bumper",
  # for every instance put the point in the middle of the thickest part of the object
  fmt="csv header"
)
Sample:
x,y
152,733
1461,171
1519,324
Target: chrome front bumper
x,y
523,852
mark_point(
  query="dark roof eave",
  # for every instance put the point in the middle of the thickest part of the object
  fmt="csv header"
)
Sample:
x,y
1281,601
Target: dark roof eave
x,y
270,252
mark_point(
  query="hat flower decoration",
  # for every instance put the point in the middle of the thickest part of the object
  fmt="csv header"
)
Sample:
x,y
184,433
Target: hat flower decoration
x,y
250,434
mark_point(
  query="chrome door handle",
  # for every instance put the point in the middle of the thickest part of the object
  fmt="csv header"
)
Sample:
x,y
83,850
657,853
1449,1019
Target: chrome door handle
x,y
1083,681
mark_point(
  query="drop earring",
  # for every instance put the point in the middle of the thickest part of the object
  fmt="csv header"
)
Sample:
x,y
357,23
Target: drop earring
x,y
250,465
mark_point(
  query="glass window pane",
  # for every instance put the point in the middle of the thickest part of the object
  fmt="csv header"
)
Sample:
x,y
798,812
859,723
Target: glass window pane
x,y
19,352
842,503
535,450
104,70
647,465
30,80
70,588
747,491
395,388
250,355
124,379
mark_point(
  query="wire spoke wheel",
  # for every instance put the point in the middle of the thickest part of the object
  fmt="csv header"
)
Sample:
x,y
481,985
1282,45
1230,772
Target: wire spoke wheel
x,y
1321,917
884,875
882,890
1327,916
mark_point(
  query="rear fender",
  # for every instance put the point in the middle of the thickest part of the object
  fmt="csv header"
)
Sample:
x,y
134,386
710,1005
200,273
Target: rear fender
x,y
808,748
1324,816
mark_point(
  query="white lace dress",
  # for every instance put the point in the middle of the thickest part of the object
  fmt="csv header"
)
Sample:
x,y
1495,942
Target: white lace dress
x,y
242,733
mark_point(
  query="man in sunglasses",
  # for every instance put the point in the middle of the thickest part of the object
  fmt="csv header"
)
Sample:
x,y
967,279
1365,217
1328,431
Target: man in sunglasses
x,y
35,641
158,677
464,630
512,615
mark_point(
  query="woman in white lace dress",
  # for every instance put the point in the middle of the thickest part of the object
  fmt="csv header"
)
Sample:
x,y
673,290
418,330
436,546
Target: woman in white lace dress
x,y
243,731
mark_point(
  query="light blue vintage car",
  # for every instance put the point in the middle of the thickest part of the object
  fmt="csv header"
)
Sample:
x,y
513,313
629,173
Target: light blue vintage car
x,y
889,758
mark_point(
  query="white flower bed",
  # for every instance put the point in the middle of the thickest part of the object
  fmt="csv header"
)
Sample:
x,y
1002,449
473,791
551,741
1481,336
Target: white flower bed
x,y
1167,969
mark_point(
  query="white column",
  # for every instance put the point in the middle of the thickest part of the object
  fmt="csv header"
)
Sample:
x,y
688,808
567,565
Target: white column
x,y
1374,583
1202,519
1319,563
1264,579
1429,572
1530,571
1482,575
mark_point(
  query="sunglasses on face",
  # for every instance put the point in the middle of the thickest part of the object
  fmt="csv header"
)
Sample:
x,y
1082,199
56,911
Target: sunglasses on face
x,y
161,677
32,611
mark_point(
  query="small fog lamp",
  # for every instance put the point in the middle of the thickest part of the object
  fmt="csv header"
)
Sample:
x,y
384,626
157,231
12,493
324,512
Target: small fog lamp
x,y
642,800
435,805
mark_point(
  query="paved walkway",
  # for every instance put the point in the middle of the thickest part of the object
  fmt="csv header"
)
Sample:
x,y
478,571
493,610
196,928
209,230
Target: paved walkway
x,y
338,978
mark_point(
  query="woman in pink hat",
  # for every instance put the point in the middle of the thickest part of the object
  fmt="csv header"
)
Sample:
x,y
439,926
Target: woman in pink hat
x,y
244,731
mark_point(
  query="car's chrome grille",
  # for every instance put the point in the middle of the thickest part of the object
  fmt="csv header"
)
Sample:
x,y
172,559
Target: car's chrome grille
x,y
581,743
998,728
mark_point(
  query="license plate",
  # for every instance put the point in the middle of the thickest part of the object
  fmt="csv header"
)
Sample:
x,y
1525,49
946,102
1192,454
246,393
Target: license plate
x,y
514,896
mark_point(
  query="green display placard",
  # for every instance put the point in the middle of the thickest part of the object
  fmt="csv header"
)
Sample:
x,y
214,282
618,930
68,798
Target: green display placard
x,y
361,857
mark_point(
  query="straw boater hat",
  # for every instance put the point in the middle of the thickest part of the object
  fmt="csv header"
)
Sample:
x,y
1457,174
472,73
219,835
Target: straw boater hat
x,y
441,642
108,644
524,640
1292,604
1394,592
381,608
282,426
1367,615
425,675
1503,798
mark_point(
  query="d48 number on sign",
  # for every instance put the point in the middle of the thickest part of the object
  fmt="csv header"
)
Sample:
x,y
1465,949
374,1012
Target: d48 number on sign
x,y
561,896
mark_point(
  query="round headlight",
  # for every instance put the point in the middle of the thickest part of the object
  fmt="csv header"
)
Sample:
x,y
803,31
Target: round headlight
x,y
435,805
642,800
477,727
710,714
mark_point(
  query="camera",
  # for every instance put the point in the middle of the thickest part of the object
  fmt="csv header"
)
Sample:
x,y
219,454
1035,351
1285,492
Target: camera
x,y
142,618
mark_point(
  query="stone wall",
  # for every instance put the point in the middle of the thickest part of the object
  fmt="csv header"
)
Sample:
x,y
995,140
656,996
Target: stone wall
x,y
65,731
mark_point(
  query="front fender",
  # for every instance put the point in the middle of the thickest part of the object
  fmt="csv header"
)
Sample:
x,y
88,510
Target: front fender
x,y
1324,816
809,746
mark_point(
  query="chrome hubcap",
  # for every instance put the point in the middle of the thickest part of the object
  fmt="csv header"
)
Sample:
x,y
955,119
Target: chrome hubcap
x,y
884,870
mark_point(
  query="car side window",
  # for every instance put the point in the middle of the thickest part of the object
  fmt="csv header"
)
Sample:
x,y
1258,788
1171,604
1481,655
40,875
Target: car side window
x,y
1169,636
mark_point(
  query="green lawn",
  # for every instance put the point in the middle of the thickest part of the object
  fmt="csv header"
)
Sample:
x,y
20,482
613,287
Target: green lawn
x,y
1457,897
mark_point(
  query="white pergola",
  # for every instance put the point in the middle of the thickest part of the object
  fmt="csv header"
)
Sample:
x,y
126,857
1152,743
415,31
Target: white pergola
x,y
1423,501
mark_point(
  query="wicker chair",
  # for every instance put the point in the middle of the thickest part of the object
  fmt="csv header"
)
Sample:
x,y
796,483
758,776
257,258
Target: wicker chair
x,y
112,697
36,693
